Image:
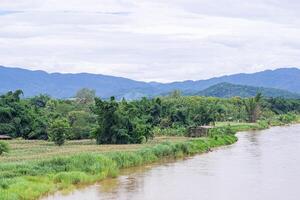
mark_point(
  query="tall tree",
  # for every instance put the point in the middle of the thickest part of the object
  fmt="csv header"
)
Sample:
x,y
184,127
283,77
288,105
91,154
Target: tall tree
x,y
253,107
15,116
107,118
85,96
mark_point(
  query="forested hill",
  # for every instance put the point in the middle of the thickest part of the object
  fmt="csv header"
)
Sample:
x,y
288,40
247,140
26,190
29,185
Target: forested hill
x,y
65,85
227,90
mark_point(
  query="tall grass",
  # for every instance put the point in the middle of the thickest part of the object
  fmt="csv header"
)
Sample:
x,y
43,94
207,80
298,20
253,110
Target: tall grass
x,y
31,180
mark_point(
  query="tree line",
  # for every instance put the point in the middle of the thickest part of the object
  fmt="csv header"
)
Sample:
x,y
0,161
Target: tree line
x,y
124,122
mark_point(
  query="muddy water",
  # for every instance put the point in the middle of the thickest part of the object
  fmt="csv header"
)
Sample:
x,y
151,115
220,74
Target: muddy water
x,y
262,165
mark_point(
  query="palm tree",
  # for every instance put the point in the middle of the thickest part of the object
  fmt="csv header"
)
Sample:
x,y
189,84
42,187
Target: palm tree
x,y
252,106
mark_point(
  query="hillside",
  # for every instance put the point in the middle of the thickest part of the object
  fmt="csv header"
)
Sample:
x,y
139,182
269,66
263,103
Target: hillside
x,y
226,90
65,85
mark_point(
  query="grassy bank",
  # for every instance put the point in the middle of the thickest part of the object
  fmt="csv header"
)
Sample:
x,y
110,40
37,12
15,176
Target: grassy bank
x,y
33,179
44,171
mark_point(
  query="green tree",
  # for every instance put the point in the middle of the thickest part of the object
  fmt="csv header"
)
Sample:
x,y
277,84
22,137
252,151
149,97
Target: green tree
x,y
155,111
15,115
81,124
175,94
85,96
59,130
40,101
107,119
122,123
253,107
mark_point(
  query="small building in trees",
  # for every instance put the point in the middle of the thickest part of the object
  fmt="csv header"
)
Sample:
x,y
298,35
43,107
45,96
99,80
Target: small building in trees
x,y
199,131
5,137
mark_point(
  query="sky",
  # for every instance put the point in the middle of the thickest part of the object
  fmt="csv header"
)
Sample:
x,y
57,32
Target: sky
x,y
153,40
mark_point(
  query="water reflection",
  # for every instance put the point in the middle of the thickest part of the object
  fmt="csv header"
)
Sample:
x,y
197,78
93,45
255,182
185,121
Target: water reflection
x,y
262,165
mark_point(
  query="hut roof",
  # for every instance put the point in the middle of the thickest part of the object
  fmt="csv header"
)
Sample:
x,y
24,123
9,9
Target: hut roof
x,y
5,137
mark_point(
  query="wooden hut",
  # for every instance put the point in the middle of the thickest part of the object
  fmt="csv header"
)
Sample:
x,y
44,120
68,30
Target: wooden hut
x,y
199,131
5,137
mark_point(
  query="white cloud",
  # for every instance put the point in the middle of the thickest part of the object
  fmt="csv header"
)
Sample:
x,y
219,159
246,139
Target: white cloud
x,y
159,40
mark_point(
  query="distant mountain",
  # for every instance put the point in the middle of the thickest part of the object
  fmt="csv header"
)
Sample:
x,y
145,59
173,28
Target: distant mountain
x,y
283,78
227,90
65,85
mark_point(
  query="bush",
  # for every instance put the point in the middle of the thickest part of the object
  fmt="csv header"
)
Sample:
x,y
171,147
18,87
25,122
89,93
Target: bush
x,y
4,148
171,131
287,118
58,131
222,130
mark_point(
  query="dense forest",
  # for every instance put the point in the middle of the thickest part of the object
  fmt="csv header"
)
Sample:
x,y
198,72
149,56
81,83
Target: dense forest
x,y
123,122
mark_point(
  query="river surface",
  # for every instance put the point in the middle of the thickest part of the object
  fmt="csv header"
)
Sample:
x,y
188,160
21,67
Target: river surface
x,y
262,165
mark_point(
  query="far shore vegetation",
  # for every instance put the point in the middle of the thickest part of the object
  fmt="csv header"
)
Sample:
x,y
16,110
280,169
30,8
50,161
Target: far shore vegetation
x,y
58,144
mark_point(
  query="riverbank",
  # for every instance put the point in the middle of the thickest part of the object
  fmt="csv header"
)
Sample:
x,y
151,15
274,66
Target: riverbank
x,y
33,179
244,170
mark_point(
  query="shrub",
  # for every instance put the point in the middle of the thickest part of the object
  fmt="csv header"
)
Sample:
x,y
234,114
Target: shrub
x,y
170,131
58,131
4,148
287,118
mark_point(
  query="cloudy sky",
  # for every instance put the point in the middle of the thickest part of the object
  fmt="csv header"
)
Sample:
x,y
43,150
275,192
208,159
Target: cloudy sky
x,y
153,40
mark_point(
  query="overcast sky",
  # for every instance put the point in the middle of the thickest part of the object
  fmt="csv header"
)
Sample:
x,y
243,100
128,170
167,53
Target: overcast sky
x,y
153,40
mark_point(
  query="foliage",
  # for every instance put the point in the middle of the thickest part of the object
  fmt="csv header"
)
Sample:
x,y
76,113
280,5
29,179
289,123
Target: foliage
x,y
137,121
59,130
287,118
170,131
32,179
85,96
4,148
81,124
228,90
15,118
253,107
283,106
115,127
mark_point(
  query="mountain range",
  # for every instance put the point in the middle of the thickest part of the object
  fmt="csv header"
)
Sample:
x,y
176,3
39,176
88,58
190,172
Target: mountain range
x,y
61,85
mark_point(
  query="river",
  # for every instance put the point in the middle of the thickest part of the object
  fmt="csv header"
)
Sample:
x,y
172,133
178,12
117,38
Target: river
x,y
262,165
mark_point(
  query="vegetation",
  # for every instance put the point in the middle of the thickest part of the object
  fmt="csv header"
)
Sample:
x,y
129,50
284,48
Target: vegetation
x,y
45,174
85,96
253,107
127,122
117,125
3,148
228,90
58,132
37,167
32,179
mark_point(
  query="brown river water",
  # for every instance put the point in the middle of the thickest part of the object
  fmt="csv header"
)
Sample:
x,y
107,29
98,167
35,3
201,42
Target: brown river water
x,y
262,165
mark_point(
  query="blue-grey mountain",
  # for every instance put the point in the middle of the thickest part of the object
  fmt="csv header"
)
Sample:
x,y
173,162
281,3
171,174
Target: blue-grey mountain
x,y
65,85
